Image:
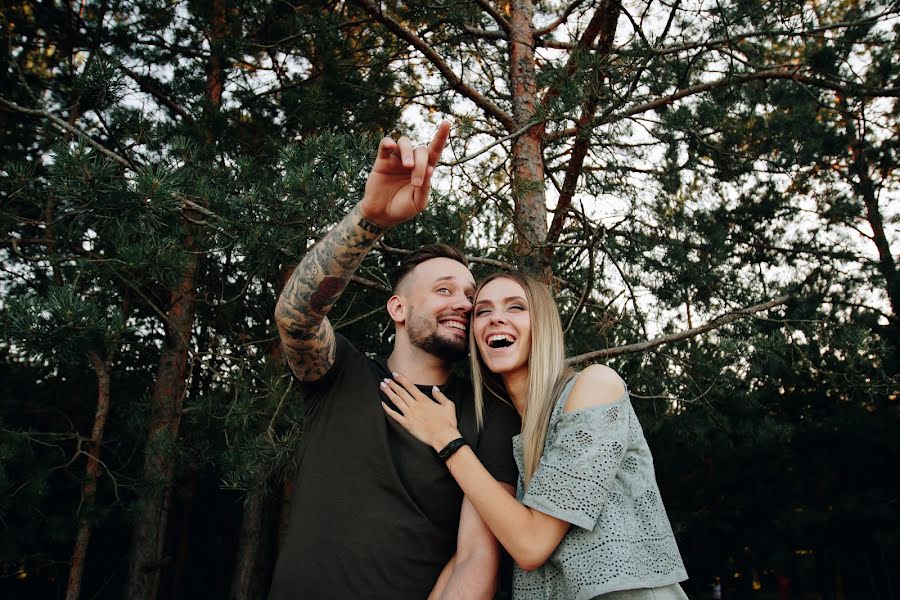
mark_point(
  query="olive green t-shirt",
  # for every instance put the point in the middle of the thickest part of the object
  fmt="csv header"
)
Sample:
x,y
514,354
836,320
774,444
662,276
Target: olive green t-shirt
x,y
375,512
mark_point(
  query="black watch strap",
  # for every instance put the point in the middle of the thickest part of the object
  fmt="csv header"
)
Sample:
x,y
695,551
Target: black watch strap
x,y
448,450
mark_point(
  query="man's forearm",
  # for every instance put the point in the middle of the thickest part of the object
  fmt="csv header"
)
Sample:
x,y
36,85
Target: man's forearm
x,y
473,578
316,285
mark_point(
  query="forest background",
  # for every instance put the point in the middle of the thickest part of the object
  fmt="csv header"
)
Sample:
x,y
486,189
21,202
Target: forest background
x,y
710,186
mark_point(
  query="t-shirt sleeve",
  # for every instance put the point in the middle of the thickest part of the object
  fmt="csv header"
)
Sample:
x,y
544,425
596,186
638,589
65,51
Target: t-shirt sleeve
x,y
573,478
501,423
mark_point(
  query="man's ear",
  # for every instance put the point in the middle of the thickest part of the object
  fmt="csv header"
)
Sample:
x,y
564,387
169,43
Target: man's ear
x,y
396,307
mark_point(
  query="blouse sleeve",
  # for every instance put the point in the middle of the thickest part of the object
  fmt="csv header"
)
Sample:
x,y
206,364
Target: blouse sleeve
x,y
579,463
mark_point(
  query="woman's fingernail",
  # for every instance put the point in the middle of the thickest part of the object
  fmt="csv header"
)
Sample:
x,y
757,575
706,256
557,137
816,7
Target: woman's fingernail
x,y
435,388
395,374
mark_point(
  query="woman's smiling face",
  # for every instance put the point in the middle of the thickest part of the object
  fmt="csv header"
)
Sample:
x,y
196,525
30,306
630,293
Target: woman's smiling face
x,y
501,324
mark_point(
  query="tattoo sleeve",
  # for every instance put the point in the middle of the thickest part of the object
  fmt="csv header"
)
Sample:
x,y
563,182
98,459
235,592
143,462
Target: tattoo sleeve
x,y
312,290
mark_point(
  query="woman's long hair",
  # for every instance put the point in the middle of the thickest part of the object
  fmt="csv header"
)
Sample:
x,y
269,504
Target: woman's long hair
x,y
547,369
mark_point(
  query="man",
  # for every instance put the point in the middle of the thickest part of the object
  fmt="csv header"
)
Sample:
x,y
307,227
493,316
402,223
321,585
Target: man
x,y
375,513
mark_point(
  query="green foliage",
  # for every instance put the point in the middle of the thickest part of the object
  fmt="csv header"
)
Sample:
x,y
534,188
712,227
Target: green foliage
x,y
63,325
100,85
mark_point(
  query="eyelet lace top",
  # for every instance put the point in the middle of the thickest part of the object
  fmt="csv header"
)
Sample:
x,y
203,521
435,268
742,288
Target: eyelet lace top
x,y
597,473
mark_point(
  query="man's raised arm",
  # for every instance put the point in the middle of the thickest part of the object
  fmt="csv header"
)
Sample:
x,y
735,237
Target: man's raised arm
x,y
397,190
312,290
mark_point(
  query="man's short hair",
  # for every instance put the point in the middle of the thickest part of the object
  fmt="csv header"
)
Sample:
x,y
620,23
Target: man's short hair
x,y
426,252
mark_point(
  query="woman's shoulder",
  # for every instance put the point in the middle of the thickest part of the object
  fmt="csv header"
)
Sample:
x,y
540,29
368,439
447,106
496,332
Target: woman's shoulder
x,y
596,385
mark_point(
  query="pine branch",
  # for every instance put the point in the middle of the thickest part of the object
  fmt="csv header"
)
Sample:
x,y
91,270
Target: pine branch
x,y
556,44
498,264
767,74
372,285
177,50
440,64
487,34
115,140
724,41
683,335
769,33
490,262
601,20
495,14
150,86
637,309
497,142
662,239
589,285
559,20
35,112
159,311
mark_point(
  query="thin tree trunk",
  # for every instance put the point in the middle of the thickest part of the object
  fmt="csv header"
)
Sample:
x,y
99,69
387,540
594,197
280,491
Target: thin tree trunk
x,y
159,459
92,473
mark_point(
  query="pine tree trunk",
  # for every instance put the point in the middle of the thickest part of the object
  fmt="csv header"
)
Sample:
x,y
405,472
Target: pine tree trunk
x,y
159,460
527,156
92,473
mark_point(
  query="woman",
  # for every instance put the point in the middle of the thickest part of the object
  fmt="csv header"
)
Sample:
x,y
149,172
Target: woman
x,y
588,522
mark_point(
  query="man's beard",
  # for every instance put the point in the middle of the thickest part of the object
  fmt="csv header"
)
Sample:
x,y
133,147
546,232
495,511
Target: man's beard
x,y
423,334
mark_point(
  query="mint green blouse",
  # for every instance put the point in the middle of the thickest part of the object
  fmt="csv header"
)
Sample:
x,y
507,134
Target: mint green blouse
x,y
597,473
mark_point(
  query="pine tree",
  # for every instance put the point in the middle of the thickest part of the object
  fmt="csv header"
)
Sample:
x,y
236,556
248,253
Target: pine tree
x,y
155,196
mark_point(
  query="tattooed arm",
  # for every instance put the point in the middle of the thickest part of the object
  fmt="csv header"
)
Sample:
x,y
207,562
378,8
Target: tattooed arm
x,y
396,191
315,286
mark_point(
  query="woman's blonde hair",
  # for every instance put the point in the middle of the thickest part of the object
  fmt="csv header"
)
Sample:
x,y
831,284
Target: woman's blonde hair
x,y
547,368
